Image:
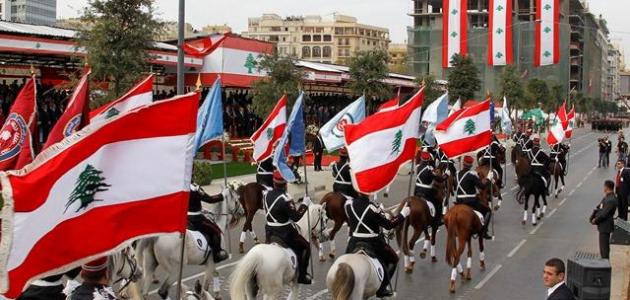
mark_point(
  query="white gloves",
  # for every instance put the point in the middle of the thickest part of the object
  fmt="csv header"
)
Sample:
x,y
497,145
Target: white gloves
x,y
448,172
405,211
307,201
490,175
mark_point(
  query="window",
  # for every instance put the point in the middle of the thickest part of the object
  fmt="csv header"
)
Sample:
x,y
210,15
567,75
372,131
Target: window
x,y
273,38
284,39
326,51
340,42
294,51
306,51
317,51
338,30
327,38
317,38
340,52
346,52
306,38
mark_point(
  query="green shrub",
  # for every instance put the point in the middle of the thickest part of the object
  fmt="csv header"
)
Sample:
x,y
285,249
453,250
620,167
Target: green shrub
x,y
202,172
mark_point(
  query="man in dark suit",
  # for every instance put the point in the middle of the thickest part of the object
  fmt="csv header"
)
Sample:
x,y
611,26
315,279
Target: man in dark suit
x,y
603,217
622,188
318,151
553,277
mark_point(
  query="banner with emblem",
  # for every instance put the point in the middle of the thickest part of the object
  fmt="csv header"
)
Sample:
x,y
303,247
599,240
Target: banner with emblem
x,y
332,132
556,131
16,144
500,32
139,95
465,131
547,45
97,191
568,131
294,136
454,30
382,143
271,130
76,114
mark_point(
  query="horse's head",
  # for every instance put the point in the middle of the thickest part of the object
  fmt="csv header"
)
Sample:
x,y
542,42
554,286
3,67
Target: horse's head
x,y
231,196
319,221
490,189
124,267
500,155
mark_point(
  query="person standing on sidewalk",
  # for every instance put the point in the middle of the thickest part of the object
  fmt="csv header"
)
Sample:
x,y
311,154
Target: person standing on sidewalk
x,y
622,189
318,152
603,217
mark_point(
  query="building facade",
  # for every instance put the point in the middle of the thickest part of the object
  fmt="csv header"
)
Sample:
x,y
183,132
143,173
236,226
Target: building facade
x,y
614,69
584,44
398,58
314,39
37,12
624,87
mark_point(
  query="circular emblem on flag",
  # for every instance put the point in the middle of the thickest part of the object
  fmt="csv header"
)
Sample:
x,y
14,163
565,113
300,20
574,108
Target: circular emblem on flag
x,y
345,120
72,126
12,136
269,133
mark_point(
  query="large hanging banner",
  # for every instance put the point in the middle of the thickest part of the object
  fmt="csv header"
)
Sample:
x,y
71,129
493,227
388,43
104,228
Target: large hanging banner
x,y
500,33
454,33
547,50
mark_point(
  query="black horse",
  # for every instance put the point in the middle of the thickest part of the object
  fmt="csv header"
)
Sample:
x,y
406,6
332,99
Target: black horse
x,y
533,184
558,168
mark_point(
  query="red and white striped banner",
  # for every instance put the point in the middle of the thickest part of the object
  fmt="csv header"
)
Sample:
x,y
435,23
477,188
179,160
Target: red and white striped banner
x,y
454,33
500,33
547,48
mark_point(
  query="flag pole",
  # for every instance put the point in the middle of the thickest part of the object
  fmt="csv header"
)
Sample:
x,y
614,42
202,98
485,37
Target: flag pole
x,y
180,91
308,210
225,185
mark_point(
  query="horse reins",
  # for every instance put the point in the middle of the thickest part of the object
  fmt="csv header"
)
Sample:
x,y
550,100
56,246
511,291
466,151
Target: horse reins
x,y
134,268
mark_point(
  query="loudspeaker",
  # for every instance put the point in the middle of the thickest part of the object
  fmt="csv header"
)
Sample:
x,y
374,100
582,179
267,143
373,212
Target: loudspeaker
x,y
588,276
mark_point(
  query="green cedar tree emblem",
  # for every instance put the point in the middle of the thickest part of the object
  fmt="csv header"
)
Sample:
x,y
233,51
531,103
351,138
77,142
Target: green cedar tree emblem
x,y
499,30
454,34
269,133
397,143
500,7
250,63
89,183
547,29
469,127
547,53
454,11
38,45
499,55
555,122
547,6
111,112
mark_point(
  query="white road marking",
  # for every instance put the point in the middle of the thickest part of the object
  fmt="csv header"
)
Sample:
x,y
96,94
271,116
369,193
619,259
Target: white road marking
x,y
485,280
537,227
516,248
514,188
552,212
195,276
562,202
571,193
320,293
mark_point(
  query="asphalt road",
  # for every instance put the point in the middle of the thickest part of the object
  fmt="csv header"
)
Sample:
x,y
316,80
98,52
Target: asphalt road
x,y
514,260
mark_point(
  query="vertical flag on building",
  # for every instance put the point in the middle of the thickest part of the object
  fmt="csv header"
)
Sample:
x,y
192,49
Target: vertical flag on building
x,y
294,135
454,30
76,114
332,131
547,45
466,130
210,117
83,199
271,130
139,95
556,131
568,132
379,145
16,143
500,33
506,122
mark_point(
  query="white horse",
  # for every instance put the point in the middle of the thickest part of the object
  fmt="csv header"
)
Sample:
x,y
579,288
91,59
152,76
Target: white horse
x,y
353,277
164,251
269,267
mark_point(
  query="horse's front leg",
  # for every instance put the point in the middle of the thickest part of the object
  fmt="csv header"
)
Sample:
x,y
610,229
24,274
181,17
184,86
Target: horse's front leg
x,y
434,230
467,274
482,255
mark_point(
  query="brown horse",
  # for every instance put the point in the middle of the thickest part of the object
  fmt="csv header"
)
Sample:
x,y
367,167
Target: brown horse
x,y
250,196
420,219
522,168
461,224
499,158
333,203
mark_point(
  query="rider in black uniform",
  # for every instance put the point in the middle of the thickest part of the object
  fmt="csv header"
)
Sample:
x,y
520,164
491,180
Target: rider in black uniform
x,y
540,162
341,175
424,185
365,219
197,221
466,192
264,173
281,213
490,154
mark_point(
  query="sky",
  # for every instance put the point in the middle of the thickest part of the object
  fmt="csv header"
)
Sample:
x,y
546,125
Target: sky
x,y
392,15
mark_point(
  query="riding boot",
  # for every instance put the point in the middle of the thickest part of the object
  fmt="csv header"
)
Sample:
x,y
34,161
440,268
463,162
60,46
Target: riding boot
x,y
218,254
484,229
303,276
384,290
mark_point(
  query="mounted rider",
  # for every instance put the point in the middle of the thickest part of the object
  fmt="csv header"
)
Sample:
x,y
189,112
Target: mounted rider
x,y
443,159
341,174
48,288
558,153
281,213
424,184
539,162
527,143
468,183
264,173
489,155
96,282
365,220
197,221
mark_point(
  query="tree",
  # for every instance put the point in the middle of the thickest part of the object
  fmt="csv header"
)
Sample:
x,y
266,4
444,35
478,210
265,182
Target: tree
x,y
431,91
463,79
283,77
538,91
368,69
117,39
512,88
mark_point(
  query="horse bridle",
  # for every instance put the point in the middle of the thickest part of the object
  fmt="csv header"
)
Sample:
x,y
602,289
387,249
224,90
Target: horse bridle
x,y
133,264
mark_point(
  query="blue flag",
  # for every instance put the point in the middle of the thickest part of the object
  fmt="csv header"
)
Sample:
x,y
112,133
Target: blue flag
x,y
332,131
294,129
210,117
506,122
437,111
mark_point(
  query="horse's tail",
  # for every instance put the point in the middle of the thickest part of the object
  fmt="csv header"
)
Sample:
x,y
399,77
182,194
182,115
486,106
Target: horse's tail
x,y
240,288
343,285
451,243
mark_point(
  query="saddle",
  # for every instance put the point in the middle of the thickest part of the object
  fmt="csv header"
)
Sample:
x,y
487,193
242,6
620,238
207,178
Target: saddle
x,y
480,216
290,254
377,266
431,208
201,241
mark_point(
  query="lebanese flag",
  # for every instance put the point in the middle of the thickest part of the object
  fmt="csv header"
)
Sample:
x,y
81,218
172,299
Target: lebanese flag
x,y
568,131
466,130
390,104
500,33
379,145
16,142
557,130
455,32
76,114
271,130
139,95
547,46
102,188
